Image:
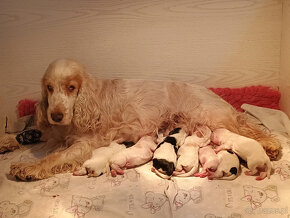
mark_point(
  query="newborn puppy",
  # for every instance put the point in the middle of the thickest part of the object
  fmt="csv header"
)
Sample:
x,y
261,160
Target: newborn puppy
x,y
204,133
228,168
209,161
99,162
187,162
138,154
164,158
248,149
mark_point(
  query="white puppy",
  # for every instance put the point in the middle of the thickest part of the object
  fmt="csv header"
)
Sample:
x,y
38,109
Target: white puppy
x,y
228,168
165,155
99,162
248,149
138,154
187,162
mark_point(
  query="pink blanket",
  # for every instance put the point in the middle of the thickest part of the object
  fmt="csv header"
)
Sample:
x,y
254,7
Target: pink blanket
x,y
262,96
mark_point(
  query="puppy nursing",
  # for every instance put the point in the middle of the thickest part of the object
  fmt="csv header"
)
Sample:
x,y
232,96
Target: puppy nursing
x,y
248,149
209,161
228,168
99,162
187,162
180,155
138,154
165,155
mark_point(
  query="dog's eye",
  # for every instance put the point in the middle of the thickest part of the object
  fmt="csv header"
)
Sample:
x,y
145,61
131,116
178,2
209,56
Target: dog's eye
x,y
49,88
71,88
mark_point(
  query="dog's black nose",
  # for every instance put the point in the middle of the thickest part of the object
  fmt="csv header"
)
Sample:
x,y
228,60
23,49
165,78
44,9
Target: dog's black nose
x,y
57,117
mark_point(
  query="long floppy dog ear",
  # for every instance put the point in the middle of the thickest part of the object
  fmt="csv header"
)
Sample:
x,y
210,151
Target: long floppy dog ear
x,y
86,109
41,111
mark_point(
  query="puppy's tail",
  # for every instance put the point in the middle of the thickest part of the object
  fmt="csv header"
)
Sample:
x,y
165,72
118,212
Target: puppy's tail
x,y
163,176
189,173
231,177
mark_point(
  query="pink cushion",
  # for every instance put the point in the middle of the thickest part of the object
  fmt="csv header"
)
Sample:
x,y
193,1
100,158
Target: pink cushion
x,y
26,107
262,96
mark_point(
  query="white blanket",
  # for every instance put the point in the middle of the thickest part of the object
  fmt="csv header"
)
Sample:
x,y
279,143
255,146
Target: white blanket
x,y
140,193
274,120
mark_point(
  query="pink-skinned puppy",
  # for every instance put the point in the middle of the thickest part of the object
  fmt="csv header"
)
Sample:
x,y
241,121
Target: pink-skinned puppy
x,y
248,149
209,161
187,162
228,168
138,154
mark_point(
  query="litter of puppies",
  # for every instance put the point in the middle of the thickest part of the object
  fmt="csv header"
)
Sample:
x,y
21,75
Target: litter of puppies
x,y
204,153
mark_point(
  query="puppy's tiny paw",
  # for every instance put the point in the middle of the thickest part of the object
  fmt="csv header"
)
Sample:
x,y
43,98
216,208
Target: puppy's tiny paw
x,y
113,173
95,173
80,171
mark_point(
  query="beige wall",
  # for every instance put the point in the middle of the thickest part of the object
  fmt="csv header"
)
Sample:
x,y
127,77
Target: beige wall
x,y
214,43
285,59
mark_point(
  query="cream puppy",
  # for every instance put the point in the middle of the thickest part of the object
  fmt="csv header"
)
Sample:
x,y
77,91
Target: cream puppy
x,y
187,162
138,154
209,161
248,149
228,168
204,134
99,162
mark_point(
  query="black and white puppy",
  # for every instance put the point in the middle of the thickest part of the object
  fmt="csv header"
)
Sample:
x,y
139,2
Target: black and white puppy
x,y
228,168
165,155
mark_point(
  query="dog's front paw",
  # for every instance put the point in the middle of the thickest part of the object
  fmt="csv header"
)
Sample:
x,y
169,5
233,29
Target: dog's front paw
x,y
26,171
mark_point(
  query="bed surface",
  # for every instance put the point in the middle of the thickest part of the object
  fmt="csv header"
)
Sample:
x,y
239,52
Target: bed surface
x,y
140,193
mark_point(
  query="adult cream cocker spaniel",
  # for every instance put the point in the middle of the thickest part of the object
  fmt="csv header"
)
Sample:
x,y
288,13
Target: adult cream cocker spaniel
x,y
79,113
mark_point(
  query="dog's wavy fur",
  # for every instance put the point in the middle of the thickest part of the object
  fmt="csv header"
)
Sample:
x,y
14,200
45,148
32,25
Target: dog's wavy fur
x,y
97,111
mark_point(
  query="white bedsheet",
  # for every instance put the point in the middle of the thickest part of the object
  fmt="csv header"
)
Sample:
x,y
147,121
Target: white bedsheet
x,y
140,193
